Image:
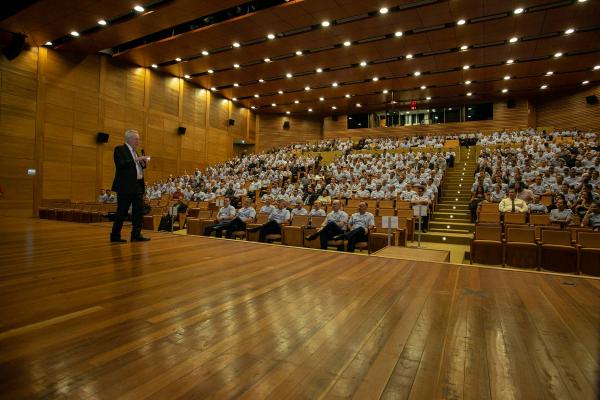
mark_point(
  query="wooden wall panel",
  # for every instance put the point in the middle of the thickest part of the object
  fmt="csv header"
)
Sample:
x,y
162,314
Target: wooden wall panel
x,y
252,127
219,113
570,112
271,132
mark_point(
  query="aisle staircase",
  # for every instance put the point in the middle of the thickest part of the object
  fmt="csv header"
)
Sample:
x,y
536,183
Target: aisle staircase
x,y
451,221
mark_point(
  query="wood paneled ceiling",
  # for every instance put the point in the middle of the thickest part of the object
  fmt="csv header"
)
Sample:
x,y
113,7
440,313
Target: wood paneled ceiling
x,y
309,66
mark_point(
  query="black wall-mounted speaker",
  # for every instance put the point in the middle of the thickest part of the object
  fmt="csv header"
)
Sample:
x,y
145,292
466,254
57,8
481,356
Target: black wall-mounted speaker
x,y
286,124
231,122
511,103
593,99
102,137
12,45
181,130
334,117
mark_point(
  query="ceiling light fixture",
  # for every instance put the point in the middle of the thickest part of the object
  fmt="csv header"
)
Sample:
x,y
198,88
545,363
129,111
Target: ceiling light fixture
x,y
205,53
214,89
307,88
236,85
154,66
334,84
461,22
385,91
398,34
417,73
236,44
267,60
310,110
270,36
510,61
296,101
506,77
504,90
74,33
321,98
348,96
427,98
513,39
325,24
375,79
298,53
236,65
557,55
234,99
261,80
186,76
48,43
409,56
178,59
102,22
347,43
469,94
273,105
518,11
358,105
287,112
257,95
280,91
423,87
543,87
288,75
596,67
363,63
465,67
569,31
549,73
585,82
333,107
210,71
383,10
319,70
139,8
464,47
467,82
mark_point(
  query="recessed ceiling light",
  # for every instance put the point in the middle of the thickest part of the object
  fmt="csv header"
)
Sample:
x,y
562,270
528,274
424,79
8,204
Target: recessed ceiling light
x,y
464,47
393,102
582,1
48,43
287,112
307,88
267,60
236,65
298,53
469,94
585,82
138,8
214,89
383,10
417,73
296,101
467,82
398,34
385,91
288,75
321,98
460,22
334,84
154,66
510,61
270,36
358,105
257,95
596,67
506,77
363,63
348,95
205,53
347,43
375,79
423,87
556,55
236,85
236,44
102,22
333,107
261,80
513,39
74,33
234,99
186,76
504,90
549,73
310,110
280,91
466,67
427,98
409,56
518,10
325,24
319,70
543,86
273,104
210,71
569,31
178,59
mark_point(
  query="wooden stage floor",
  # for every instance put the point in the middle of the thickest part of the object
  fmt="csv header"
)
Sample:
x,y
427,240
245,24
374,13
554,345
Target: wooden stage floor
x,y
198,318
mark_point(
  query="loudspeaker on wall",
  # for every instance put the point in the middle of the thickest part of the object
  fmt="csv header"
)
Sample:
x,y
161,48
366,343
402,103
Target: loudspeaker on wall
x,y
593,99
102,137
181,130
286,124
511,103
231,122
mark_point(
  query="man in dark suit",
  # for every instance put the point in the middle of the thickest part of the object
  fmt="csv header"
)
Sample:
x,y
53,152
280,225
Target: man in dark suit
x,y
129,185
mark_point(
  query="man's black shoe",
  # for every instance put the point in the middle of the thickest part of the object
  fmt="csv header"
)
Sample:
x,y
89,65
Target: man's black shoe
x,y
117,240
140,239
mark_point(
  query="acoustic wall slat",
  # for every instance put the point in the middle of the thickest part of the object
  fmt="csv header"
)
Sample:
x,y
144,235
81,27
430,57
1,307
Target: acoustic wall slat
x,y
272,134
570,112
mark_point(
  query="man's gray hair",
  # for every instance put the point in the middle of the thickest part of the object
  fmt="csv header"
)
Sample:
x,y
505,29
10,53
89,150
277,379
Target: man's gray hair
x,y
129,133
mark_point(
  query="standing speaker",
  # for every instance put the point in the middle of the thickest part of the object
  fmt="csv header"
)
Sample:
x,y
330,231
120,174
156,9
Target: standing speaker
x,y
286,124
511,103
593,99
231,122
181,130
102,137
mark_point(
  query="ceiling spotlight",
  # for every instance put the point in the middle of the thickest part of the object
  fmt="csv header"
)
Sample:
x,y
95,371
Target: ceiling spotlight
x,y
427,98
348,96
423,87
214,89
252,107
178,59
375,79
334,84
347,43
469,94
417,73
383,10
518,11
464,47
543,86
154,66
102,22
236,85
205,53
310,110
138,8
549,73
210,71
398,34
261,80
333,107
319,70
236,65
596,67
569,31
280,91
409,56
467,82
358,105
186,76
325,24
460,22
296,101
298,53
556,55
506,77
510,61
307,88
234,99
48,43
74,33
267,60
465,67
393,102
513,39
236,44
287,112
273,105
504,90
257,95
582,1
288,75
363,63
585,82
321,98
270,36
385,91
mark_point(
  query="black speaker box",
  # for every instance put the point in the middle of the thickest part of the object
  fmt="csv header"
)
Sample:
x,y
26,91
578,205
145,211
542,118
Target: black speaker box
x,y
102,137
511,103
181,130
286,124
334,117
593,99
231,122
14,46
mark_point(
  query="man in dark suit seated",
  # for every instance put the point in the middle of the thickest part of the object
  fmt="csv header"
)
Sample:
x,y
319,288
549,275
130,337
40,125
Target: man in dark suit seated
x,y
129,185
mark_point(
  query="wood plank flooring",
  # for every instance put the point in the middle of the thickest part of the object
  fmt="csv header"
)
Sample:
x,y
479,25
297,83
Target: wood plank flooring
x,y
197,318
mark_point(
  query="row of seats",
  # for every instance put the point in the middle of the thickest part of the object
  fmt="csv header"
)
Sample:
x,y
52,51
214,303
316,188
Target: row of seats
x,y
76,212
571,250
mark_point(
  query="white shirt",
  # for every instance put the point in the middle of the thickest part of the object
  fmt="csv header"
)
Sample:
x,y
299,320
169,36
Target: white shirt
x,y
138,167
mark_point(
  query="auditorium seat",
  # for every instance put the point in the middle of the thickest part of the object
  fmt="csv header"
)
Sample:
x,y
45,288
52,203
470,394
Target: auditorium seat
x,y
520,248
539,219
486,245
261,218
293,234
402,205
488,208
588,247
489,218
514,218
385,204
556,252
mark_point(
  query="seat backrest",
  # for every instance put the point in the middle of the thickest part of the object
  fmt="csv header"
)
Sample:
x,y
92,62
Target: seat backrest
x,y
484,232
514,218
539,219
386,212
489,217
489,207
352,203
386,204
204,214
203,205
546,199
402,213
300,220
556,237
521,235
575,232
316,220
402,223
402,204
589,239
262,218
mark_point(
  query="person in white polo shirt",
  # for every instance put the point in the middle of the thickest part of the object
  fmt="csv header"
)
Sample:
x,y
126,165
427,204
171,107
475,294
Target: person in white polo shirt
x,y
225,215
277,218
244,215
334,224
360,223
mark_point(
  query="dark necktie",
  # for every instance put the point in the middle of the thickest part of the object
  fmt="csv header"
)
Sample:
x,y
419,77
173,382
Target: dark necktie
x,y
513,206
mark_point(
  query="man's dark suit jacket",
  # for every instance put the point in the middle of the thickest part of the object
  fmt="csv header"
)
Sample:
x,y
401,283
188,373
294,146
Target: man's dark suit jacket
x,y
125,172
